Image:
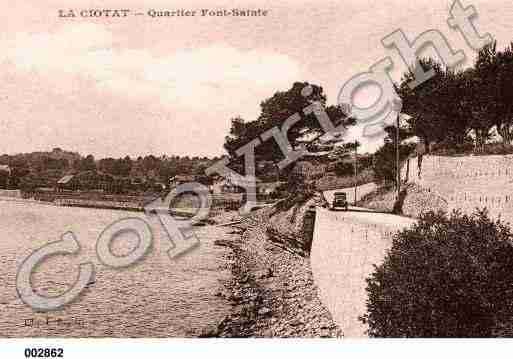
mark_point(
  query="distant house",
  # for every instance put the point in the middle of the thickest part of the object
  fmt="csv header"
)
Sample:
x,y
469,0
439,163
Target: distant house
x,y
68,182
181,179
5,174
306,170
137,181
269,188
5,168
411,139
87,180
222,186
229,184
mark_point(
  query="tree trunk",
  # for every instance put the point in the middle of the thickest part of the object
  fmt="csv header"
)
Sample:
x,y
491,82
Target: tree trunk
x,y
505,132
479,140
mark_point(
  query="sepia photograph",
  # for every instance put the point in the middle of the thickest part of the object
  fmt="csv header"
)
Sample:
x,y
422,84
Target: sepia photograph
x,y
321,171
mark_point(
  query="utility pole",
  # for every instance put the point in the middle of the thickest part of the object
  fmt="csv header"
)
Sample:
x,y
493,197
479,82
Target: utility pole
x,y
355,169
397,169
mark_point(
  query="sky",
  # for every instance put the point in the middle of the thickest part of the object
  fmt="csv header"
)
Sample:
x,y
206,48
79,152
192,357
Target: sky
x,y
140,85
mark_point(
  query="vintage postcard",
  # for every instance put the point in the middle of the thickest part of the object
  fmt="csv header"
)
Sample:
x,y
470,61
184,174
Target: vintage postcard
x,y
255,169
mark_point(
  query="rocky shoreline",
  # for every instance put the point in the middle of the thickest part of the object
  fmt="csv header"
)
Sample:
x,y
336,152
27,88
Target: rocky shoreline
x,y
272,291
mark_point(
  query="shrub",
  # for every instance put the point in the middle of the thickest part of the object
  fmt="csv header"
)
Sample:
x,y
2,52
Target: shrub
x,y
344,169
468,148
447,276
450,148
330,181
385,161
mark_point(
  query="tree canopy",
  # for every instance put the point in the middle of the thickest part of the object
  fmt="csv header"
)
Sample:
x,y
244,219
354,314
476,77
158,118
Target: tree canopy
x,y
462,106
274,111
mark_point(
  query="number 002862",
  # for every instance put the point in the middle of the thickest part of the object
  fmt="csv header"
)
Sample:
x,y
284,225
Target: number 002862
x,y
44,353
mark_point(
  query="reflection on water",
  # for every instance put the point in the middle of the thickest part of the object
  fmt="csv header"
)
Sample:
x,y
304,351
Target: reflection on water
x,y
155,298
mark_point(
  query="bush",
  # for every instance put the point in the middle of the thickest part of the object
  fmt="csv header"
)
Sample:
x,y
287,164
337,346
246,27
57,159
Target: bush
x,y
385,161
451,148
447,276
330,181
468,148
344,169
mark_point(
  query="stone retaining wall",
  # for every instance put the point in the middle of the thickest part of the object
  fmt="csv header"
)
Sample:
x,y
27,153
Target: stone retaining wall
x,y
293,227
468,182
345,248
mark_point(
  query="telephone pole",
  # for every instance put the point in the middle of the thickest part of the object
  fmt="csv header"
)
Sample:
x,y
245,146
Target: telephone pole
x,y
397,169
355,169
397,106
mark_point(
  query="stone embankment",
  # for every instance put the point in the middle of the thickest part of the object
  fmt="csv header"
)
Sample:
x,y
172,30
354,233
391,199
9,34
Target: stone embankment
x,y
414,201
272,291
291,224
446,183
128,206
467,182
418,200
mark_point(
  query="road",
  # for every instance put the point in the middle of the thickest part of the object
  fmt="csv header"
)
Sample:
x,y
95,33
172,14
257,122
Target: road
x,y
345,247
360,192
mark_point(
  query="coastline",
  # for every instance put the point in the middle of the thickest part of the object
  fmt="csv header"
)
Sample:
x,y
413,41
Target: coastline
x,y
107,205
25,200
262,289
77,203
272,292
53,204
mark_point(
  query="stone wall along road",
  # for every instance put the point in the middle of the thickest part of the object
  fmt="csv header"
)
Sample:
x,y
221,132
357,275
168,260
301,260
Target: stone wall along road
x,y
468,182
345,247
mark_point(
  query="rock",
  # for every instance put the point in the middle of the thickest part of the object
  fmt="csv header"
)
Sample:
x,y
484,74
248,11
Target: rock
x,y
269,333
272,291
223,243
244,279
265,273
236,298
296,322
209,332
264,311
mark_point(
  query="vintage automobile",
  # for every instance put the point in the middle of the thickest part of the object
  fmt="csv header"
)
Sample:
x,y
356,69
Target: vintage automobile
x,y
340,200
